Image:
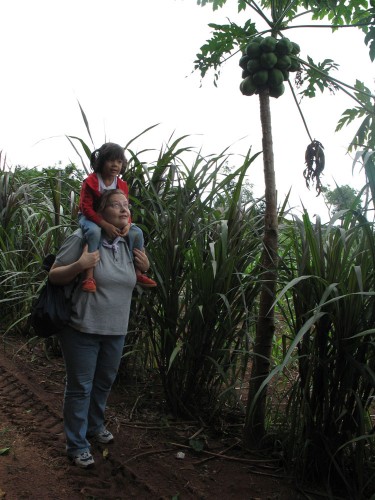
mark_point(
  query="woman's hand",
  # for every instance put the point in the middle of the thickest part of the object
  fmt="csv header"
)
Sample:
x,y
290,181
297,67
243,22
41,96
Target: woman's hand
x,y
62,275
88,260
141,260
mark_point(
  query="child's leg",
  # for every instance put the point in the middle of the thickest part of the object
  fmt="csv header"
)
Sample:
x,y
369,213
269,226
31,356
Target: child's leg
x,y
136,240
92,233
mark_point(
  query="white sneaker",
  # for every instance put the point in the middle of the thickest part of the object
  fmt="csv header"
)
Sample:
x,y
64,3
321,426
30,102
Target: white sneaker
x,y
104,437
83,460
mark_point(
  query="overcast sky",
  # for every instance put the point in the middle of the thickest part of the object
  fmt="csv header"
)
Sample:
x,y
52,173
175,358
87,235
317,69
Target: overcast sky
x,y
130,63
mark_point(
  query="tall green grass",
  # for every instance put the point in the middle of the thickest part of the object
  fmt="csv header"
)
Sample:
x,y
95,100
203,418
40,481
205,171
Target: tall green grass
x,y
203,244
329,305
37,211
196,329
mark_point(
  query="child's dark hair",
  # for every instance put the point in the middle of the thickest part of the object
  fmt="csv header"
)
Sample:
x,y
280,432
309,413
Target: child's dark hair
x,y
108,151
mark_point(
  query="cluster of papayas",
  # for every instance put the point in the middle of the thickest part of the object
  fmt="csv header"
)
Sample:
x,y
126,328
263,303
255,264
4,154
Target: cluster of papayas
x,y
266,63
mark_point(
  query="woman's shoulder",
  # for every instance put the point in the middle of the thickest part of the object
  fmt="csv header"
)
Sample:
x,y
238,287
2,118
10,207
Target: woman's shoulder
x,y
78,233
71,249
74,237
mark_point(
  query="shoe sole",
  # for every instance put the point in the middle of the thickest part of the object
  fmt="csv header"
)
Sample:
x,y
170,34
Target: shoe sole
x,y
81,466
90,466
101,441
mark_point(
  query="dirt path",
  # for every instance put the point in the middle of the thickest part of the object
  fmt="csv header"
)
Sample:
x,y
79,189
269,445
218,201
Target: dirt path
x,y
142,462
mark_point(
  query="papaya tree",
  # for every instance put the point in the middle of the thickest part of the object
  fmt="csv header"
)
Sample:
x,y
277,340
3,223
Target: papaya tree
x,y
268,60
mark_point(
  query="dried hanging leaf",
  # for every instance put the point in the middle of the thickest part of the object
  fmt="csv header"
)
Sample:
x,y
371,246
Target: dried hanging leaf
x,y
315,161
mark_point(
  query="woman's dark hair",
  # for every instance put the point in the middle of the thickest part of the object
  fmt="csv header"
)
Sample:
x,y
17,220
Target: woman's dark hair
x,y
108,151
106,196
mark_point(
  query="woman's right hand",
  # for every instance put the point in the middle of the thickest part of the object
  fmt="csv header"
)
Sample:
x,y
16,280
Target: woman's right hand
x,y
88,259
62,275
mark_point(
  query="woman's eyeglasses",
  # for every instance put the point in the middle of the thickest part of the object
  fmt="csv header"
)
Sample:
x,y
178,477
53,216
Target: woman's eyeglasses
x,y
118,206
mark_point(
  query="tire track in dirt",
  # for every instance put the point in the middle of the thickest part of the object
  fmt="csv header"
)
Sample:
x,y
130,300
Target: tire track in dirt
x,y
26,407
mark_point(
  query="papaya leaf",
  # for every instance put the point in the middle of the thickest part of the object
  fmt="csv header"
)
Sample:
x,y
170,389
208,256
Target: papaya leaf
x,y
370,41
215,3
366,131
317,75
225,39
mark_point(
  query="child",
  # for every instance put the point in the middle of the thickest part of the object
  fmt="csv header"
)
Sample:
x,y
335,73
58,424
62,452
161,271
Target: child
x,y
108,162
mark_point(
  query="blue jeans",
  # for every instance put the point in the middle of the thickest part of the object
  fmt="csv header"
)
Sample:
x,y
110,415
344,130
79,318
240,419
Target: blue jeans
x,y
92,233
91,363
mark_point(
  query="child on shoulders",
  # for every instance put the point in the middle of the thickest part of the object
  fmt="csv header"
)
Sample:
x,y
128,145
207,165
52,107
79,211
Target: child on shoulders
x,y
107,162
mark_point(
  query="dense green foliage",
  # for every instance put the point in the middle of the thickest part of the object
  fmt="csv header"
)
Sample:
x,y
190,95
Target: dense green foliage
x,y
37,210
197,328
342,198
330,288
203,243
325,270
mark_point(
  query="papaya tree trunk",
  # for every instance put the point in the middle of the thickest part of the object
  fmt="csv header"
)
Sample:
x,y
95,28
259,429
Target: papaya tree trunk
x,y
256,406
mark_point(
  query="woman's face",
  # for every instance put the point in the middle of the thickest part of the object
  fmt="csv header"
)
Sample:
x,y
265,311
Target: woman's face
x,y
117,211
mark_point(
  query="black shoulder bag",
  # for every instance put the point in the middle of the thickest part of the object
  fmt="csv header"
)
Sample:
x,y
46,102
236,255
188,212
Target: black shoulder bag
x,y
51,310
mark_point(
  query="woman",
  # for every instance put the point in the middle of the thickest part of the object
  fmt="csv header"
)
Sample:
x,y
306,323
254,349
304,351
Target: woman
x,y
92,343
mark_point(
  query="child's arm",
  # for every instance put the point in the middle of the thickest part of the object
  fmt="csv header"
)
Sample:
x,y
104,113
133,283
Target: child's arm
x,y
125,231
111,230
86,204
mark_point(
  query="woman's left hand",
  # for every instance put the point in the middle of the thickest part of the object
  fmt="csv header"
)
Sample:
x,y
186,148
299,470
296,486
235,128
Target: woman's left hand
x,y
141,260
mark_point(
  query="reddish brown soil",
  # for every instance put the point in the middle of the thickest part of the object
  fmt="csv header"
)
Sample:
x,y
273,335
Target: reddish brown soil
x,y
140,464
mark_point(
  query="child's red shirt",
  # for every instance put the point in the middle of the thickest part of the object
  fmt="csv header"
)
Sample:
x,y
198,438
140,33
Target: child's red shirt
x,y
90,196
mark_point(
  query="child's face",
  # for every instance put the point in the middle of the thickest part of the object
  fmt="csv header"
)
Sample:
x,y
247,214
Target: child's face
x,y
112,168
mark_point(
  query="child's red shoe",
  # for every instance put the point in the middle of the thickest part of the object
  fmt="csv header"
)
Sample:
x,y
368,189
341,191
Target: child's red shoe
x,y
145,282
89,285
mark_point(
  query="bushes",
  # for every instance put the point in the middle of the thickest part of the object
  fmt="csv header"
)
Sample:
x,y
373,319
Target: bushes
x,y
332,300
37,211
196,328
202,245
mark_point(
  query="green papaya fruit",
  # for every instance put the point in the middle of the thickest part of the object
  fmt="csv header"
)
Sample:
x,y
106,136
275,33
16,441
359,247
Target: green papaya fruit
x,y
295,48
295,65
283,62
268,60
275,77
277,91
253,49
260,77
283,47
268,44
253,66
243,61
247,86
